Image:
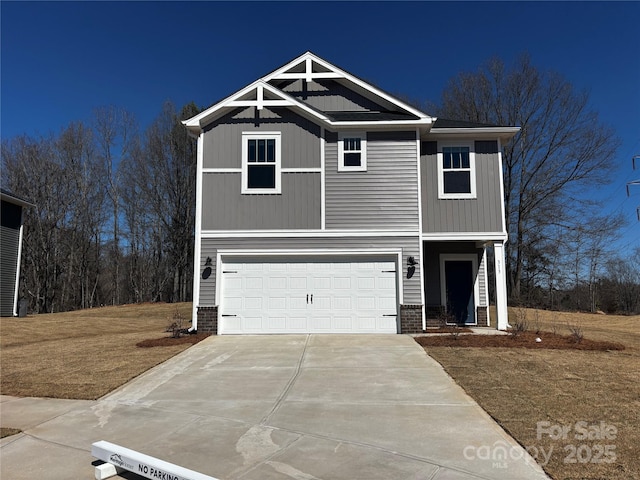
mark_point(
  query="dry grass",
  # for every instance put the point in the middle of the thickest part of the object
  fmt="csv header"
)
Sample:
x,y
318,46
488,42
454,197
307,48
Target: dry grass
x,y
83,354
7,432
521,387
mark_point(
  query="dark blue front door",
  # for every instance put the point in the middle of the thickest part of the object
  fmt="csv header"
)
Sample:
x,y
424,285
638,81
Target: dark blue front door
x,y
459,284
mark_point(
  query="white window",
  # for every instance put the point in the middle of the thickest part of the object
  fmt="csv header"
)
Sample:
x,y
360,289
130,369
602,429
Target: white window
x,y
352,152
456,171
261,162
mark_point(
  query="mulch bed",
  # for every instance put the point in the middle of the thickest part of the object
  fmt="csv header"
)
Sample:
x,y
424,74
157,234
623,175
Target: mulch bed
x,y
522,340
170,341
449,330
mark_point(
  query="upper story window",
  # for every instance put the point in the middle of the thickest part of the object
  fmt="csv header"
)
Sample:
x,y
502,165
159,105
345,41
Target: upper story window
x,y
261,162
456,172
352,152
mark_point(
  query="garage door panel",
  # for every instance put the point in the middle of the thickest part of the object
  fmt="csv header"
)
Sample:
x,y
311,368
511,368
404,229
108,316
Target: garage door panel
x,y
298,303
298,283
367,323
297,324
342,283
253,283
342,303
320,324
321,283
253,303
277,323
366,303
387,304
320,302
277,303
278,283
251,323
297,295
342,323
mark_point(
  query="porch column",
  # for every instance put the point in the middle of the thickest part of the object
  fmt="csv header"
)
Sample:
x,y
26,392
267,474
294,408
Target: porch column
x,y
502,320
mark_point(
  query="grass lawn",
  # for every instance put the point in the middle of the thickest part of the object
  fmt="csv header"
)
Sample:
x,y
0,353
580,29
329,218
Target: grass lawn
x,y
84,354
524,388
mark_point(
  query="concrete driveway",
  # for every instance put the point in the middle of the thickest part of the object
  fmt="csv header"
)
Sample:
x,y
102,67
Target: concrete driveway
x,y
276,407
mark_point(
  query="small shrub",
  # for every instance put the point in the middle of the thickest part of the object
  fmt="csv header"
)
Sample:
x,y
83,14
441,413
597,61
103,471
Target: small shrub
x,y
454,331
576,332
536,324
520,324
447,323
177,325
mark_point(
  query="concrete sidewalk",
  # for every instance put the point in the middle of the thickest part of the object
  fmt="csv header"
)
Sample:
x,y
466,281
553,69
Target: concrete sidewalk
x,y
276,407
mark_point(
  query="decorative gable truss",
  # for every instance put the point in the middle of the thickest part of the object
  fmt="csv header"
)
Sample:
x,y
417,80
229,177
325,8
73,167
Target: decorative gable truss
x,y
269,91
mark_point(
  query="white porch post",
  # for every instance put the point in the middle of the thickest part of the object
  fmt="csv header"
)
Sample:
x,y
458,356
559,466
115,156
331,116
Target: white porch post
x,y
502,320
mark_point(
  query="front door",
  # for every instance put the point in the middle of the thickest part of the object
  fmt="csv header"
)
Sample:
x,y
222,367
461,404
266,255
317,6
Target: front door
x,y
459,290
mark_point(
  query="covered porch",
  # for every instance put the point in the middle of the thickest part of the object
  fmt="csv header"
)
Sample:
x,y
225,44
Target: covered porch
x,y
459,283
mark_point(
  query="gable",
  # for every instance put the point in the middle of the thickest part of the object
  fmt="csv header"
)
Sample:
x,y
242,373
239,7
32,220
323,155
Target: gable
x,y
329,96
321,92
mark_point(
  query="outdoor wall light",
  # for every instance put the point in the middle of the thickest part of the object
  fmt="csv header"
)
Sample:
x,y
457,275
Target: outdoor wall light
x,y
411,266
206,273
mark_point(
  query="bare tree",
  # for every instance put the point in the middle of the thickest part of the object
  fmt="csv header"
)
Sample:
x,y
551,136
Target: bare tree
x,y
160,194
84,172
561,150
113,130
62,234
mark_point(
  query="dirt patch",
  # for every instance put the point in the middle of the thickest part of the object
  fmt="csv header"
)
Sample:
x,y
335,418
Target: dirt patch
x,y
541,340
171,341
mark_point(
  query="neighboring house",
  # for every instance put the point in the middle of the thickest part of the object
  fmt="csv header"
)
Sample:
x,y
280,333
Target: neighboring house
x,y
10,251
326,205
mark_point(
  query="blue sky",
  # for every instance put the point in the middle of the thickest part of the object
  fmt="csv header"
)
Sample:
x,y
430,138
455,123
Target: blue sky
x,y
60,60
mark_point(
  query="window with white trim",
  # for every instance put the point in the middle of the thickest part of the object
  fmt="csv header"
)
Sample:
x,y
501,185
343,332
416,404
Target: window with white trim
x,y
261,162
352,152
456,171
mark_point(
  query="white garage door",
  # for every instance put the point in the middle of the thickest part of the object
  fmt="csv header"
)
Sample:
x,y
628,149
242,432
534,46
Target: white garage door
x,y
308,295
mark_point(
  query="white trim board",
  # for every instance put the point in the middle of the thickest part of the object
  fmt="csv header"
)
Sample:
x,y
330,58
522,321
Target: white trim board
x,y
306,233
464,236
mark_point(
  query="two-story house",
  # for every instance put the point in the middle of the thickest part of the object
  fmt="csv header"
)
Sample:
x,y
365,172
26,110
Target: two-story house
x,y
326,205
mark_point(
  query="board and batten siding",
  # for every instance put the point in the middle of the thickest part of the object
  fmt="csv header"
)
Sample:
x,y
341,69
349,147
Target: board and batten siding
x,y
225,208
410,246
385,196
330,96
480,214
298,206
300,138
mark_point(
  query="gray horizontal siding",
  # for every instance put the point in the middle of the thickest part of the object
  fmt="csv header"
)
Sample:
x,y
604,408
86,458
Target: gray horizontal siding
x,y
385,196
330,96
410,247
300,141
225,208
9,238
482,214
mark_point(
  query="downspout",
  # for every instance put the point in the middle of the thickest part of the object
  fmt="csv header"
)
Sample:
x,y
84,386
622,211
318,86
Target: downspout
x,y
198,230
